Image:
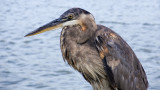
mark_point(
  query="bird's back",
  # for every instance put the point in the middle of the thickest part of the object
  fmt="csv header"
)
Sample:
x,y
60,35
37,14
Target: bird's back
x,y
123,68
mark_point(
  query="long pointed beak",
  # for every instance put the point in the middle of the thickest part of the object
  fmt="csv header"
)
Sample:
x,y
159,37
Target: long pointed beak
x,y
50,26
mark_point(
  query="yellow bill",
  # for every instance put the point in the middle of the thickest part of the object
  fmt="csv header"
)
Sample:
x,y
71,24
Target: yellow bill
x,y
50,26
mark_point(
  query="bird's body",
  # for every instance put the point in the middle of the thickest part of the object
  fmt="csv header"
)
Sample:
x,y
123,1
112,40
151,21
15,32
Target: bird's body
x,y
104,59
83,57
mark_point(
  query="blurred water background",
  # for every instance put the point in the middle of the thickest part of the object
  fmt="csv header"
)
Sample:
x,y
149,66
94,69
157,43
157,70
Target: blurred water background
x,y
35,63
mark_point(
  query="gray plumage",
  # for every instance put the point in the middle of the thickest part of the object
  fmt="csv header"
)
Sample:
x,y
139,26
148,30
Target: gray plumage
x,y
104,59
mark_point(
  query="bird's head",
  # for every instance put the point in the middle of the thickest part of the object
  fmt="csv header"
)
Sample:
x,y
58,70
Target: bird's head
x,y
73,16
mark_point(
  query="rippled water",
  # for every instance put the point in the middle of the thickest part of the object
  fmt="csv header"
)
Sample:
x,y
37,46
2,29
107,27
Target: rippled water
x,y
35,63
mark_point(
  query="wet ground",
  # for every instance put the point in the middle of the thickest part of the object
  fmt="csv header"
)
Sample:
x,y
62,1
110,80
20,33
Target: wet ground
x,y
35,63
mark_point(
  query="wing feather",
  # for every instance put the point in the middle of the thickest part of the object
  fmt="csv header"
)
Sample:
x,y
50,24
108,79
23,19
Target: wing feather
x,y
123,69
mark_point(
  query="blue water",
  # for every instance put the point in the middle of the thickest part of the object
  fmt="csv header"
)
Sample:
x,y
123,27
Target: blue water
x,y
35,63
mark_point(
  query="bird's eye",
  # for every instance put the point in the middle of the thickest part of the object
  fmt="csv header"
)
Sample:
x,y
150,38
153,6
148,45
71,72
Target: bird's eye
x,y
70,16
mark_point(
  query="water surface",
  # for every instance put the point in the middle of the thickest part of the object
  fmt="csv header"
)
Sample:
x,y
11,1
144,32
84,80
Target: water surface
x,y
35,63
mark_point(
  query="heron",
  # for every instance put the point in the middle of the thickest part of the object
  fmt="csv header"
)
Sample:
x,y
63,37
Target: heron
x,y
104,59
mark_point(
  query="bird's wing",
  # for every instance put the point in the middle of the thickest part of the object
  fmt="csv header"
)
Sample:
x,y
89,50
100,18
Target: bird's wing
x,y
123,69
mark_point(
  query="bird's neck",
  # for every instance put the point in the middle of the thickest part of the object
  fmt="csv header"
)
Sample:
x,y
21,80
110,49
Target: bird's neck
x,y
88,22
